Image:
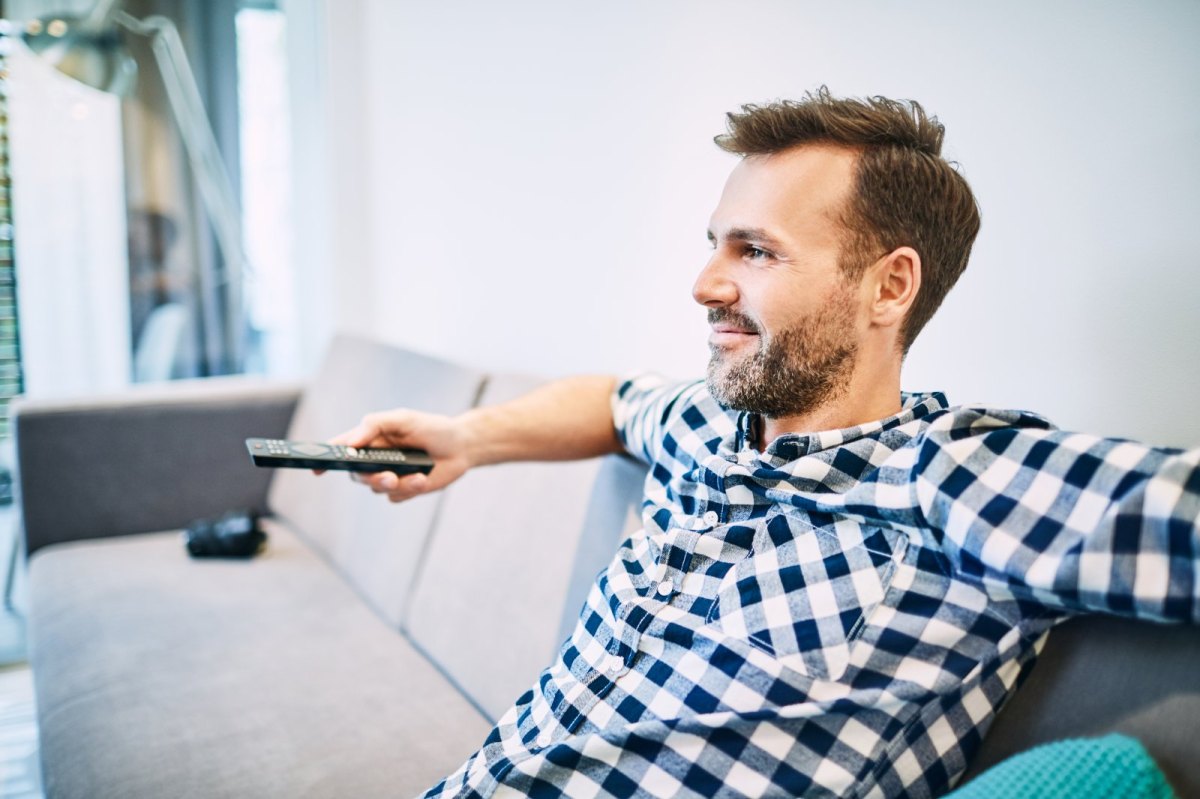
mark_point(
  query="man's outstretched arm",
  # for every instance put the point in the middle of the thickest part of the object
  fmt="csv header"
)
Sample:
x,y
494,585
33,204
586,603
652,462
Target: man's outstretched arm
x,y
565,420
1073,521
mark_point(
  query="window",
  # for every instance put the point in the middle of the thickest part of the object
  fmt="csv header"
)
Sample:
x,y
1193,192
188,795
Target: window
x,y
264,134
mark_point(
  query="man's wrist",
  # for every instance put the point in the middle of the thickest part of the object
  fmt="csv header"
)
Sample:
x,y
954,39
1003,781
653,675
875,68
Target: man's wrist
x,y
473,427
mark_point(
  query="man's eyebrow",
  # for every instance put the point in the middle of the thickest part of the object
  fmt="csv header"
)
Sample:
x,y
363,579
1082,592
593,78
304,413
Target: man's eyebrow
x,y
756,235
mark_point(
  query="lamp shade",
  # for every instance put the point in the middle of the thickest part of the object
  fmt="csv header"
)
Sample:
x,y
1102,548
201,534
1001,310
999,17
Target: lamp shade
x,y
91,54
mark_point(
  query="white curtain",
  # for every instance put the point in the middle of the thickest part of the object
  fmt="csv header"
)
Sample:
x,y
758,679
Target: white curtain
x,y
70,220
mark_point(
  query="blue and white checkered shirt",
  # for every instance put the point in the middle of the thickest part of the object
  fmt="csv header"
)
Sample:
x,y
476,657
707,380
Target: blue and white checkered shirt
x,y
842,614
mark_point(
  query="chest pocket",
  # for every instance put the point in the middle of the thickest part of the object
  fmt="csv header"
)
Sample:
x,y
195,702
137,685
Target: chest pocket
x,y
804,593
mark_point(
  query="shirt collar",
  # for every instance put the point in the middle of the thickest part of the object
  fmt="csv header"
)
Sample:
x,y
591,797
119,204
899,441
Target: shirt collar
x,y
789,447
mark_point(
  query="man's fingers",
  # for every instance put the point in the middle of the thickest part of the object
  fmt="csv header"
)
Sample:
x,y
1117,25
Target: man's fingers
x,y
396,488
355,437
407,487
380,482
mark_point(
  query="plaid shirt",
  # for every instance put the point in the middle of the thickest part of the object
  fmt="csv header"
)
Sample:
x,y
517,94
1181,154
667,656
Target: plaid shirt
x,y
842,614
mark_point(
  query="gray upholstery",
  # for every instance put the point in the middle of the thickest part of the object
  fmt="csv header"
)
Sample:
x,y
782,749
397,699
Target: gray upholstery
x,y
375,544
162,676
177,448
491,593
614,510
1099,675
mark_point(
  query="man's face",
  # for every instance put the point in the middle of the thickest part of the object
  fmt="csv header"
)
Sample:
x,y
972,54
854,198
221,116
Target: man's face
x,y
785,321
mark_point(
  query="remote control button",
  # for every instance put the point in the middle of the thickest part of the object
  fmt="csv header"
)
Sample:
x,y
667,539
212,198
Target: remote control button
x,y
310,449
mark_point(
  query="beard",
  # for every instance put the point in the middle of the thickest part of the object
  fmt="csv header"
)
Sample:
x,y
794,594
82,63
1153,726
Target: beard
x,y
794,371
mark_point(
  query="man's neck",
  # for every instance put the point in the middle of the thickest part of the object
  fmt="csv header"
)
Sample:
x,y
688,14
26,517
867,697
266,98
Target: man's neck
x,y
860,402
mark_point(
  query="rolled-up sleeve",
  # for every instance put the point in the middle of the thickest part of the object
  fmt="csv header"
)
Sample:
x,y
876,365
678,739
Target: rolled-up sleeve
x,y
642,407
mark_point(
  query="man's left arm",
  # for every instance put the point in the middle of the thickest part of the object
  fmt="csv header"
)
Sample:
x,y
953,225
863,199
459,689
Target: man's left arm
x,y
1072,521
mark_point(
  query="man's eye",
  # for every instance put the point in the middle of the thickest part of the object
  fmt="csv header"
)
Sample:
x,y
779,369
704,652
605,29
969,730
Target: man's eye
x,y
755,253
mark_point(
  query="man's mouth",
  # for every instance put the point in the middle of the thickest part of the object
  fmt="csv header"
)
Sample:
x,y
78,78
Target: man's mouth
x,y
719,338
729,334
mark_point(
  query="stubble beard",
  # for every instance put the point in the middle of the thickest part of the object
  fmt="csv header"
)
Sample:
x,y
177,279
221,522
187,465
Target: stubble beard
x,y
794,371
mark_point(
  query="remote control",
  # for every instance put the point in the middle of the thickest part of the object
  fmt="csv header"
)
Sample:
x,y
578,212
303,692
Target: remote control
x,y
274,452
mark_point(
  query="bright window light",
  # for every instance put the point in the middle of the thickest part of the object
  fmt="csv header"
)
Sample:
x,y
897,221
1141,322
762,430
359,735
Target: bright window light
x,y
266,187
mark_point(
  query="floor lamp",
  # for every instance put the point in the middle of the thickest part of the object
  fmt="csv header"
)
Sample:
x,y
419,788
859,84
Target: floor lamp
x,y
90,49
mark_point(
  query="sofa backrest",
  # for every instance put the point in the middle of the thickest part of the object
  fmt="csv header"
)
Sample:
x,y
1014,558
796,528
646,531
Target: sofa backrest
x,y
80,459
375,545
1098,675
511,558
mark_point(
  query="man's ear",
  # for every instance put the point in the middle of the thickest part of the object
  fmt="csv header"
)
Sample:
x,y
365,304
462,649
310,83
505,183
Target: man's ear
x,y
896,279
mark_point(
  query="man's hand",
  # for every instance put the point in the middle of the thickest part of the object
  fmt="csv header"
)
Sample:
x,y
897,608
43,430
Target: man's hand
x,y
443,437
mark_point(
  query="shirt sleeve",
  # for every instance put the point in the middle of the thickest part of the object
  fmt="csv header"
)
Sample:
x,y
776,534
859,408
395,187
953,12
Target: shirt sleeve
x,y
643,407
1073,522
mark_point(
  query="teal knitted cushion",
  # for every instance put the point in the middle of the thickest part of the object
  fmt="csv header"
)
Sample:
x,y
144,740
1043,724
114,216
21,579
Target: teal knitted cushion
x,y
1080,768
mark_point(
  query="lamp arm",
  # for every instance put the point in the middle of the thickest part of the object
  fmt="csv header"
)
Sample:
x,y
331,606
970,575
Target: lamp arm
x,y
216,189
99,16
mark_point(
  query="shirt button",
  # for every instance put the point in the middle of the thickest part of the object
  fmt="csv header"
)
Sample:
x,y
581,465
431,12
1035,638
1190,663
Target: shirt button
x,y
614,665
665,588
544,739
711,518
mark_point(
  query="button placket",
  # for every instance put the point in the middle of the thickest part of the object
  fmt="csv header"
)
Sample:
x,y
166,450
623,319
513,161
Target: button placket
x,y
622,648
674,564
668,541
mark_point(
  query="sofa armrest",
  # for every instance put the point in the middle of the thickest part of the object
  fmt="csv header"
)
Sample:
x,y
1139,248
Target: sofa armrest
x,y
146,459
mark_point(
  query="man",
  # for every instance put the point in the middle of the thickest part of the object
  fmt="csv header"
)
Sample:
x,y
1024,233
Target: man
x,y
837,584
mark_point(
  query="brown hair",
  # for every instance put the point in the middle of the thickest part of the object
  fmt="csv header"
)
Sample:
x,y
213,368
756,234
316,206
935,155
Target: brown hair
x,y
905,194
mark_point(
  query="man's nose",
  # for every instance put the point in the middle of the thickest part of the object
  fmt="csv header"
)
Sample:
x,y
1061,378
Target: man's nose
x,y
713,287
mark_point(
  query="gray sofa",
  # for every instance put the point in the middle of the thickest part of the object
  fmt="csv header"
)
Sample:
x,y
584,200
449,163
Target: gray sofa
x,y
366,652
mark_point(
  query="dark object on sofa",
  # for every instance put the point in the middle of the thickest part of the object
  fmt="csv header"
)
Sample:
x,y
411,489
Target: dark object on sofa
x,y
236,534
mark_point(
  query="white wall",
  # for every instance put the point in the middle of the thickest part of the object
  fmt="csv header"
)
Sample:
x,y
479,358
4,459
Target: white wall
x,y
526,185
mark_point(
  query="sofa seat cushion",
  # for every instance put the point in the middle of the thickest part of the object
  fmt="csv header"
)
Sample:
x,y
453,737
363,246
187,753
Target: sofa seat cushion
x,y
159,675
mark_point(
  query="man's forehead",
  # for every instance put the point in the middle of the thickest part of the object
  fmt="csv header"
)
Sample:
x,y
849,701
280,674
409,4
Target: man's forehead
x,y
794,191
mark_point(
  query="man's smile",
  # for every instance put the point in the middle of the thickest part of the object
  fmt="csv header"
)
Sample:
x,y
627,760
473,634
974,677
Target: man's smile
x,y
725,334
729,328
